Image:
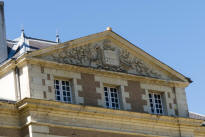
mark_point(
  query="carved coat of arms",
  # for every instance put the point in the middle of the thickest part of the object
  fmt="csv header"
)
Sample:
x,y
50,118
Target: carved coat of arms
x,y
104,55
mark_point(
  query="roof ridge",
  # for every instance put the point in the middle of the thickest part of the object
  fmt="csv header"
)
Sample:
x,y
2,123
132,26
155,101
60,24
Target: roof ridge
x,y
197,114
10,40
40,39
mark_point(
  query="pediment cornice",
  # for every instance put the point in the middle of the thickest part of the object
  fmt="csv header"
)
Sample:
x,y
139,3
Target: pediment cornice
x,y
109,51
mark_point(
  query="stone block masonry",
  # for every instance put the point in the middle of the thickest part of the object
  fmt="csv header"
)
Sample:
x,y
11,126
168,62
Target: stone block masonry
x,y
135,96
88,91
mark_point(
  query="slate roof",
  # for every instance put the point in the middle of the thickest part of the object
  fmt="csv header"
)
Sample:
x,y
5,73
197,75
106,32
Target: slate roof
x,y
196,116
24,44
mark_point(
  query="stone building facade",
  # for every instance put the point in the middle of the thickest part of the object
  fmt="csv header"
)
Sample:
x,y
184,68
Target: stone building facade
x,y
95,86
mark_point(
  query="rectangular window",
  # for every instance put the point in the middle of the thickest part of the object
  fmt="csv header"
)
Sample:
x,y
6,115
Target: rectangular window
x,y
63,91
156,105
111,98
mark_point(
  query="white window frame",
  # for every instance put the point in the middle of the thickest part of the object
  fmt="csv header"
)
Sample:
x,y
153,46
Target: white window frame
x,y
111,94
156,103
65,91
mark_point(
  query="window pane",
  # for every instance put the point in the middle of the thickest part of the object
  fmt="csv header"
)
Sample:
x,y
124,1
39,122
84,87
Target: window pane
x,y
57,87
63,91
155,103
105,88
68,94
111,98
58,98
56,82
57,92
63,87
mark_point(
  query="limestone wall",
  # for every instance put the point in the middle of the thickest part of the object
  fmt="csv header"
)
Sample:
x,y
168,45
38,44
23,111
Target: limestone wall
x,y
24,81
169,97
42,82
88,89
7,84
38,82
181,102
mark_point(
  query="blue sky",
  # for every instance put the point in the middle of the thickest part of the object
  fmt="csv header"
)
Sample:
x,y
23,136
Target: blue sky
x,y
173,31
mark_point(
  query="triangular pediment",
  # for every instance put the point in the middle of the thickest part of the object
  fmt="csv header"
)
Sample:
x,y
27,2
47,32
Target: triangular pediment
x,y
110,52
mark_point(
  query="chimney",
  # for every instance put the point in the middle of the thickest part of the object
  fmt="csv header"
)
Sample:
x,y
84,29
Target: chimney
x,y
3,45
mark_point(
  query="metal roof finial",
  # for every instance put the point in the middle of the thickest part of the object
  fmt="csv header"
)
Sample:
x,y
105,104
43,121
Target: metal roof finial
x,y
22,32
109,28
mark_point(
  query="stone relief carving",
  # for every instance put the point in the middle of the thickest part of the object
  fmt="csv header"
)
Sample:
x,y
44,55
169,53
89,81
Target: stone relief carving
x,y
92,55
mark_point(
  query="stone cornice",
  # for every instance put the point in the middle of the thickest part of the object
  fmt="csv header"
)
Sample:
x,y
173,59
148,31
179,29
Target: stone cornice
x,y
61,115
8,108
45,113
146,55
99,36
11,64
117,38
59,108
91,129
80,69
31,60
7,67
9,116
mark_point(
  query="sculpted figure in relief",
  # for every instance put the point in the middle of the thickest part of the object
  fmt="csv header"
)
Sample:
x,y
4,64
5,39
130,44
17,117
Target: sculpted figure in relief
x,y
92,55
